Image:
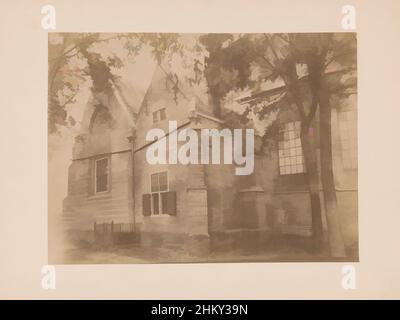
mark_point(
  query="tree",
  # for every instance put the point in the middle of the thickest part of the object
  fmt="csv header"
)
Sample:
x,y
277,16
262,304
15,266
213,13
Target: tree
x,y
277,56
318,52
72,61
229,67
71,64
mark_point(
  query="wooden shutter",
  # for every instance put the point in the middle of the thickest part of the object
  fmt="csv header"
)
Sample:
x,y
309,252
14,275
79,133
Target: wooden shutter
x,y
171,203
156,203
146,204
164,202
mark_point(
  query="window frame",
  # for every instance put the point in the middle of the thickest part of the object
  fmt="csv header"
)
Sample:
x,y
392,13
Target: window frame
x,y
163,114
282,130
159,193
95,192
157,115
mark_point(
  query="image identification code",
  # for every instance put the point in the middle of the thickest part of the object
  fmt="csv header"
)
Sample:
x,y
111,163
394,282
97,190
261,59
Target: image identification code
x,y
201,309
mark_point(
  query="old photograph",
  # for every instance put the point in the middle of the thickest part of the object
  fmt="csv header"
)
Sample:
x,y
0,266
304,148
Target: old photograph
x,y
202,148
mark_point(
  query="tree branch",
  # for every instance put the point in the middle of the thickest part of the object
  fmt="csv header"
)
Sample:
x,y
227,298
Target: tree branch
x,y
334,57
70,98
90,43
291,86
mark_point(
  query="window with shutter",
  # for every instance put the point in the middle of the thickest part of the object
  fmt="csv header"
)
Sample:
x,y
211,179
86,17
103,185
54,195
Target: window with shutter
x,y
159,193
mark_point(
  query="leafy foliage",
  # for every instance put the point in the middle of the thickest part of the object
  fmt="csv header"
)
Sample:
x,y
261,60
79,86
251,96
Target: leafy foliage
x,y
227,62
72,62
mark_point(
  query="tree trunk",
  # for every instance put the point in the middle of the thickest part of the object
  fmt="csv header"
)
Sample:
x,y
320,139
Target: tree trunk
x,y
215,101
310,159
336,244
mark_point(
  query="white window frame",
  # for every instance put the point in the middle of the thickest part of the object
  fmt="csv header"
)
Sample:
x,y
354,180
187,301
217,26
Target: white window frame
x,y
159,196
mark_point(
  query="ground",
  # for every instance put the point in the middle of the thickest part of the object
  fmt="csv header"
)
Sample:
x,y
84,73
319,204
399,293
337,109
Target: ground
x,y
132,254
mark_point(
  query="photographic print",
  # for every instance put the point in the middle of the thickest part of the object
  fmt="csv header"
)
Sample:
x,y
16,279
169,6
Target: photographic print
x,y
192,148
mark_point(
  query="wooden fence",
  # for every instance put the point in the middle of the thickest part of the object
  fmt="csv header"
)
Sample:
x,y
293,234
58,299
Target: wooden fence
x,y
108,233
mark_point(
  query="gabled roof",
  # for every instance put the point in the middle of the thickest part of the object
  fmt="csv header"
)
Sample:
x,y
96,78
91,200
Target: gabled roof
x,y
130,97
188,93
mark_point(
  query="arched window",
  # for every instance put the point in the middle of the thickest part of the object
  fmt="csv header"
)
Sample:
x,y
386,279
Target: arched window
x,y
100,148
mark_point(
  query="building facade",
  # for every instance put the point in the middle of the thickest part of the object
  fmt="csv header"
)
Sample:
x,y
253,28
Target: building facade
x,y
110,179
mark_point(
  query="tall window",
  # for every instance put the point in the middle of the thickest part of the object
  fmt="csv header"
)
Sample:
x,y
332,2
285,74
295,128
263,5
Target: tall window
x,y
159,189
348,138
101,175
290,153
159,115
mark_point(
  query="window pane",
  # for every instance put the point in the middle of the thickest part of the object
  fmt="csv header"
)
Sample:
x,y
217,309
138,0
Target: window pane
x,y
163,180
163,115
101,175
154,183
286,135
155,117
286,144
290,153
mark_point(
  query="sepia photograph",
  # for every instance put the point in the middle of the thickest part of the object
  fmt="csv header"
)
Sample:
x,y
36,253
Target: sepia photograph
x,y
199,158
202,147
